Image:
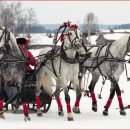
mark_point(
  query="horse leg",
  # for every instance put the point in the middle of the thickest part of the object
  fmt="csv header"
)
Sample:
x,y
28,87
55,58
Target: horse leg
x,y
38,102
1,97
67,99
112,93
57,96
76,106
91,89
60,107
1,105
118,92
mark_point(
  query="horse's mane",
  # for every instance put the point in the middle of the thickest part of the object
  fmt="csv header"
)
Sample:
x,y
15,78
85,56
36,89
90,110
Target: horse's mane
x,y
14,44
121,40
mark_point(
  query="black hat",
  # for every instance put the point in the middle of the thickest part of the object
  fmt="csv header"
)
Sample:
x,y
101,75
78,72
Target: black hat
x,y
21,41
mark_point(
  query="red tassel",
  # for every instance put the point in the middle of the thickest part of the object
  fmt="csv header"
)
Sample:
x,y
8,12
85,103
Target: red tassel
x,y
120,101
68,107
77,102
38,102
59,102
25,109
108,103
93,97
1,104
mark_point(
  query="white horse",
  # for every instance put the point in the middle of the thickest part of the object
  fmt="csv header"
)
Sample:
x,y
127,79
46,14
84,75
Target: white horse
x,y
62,67
108,61
12,64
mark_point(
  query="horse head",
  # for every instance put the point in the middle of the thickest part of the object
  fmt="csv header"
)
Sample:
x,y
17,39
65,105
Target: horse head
x,y
73,37
10,55
71,41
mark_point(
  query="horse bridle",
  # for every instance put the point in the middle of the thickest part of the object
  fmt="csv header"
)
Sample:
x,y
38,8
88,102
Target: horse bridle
x,y
72,41
4,48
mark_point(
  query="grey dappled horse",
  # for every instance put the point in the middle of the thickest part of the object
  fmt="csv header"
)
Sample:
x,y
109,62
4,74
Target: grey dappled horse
x,y
63,66
11,69
108,61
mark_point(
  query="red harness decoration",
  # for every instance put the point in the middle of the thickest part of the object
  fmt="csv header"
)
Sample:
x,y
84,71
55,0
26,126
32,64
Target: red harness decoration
x,y
62,38
73,26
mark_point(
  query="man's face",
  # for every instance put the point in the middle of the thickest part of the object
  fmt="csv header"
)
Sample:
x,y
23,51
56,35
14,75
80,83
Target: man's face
x,y
21,45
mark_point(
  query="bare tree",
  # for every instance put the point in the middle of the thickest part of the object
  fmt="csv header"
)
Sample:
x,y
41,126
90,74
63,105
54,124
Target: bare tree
x,y
30,18
16,18
2,4
90,22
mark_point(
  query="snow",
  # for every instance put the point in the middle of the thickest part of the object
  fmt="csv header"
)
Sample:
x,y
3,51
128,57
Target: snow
x,y
86,120
114,36
42,39
118,30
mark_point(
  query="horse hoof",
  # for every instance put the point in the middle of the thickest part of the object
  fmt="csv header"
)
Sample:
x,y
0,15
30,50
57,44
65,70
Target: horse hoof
x,y
122,112
27,118
2,114
15,109
60,112
70,118
76,109
39,113
94,107
105,112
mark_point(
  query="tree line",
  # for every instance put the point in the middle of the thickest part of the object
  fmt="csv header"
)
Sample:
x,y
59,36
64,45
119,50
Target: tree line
x,y
122,26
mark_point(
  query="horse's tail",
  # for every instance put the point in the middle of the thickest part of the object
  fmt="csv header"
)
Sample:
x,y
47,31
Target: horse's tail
x,y
47,83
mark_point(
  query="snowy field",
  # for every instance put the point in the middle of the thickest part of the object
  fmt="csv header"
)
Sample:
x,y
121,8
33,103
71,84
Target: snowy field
x,y
86,120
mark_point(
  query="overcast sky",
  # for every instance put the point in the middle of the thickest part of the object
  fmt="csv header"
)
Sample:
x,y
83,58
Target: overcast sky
x,y
107,12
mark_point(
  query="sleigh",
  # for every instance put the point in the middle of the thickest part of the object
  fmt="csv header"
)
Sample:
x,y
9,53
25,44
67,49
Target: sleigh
x,y
29,92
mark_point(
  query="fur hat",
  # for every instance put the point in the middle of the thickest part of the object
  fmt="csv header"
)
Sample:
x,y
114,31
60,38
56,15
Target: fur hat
x,y
21,41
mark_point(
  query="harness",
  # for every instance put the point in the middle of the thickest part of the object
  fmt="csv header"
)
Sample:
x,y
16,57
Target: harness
x,y
60,52
100,59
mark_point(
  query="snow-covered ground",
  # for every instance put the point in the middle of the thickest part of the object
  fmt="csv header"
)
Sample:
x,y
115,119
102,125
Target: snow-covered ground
x,y
86,120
